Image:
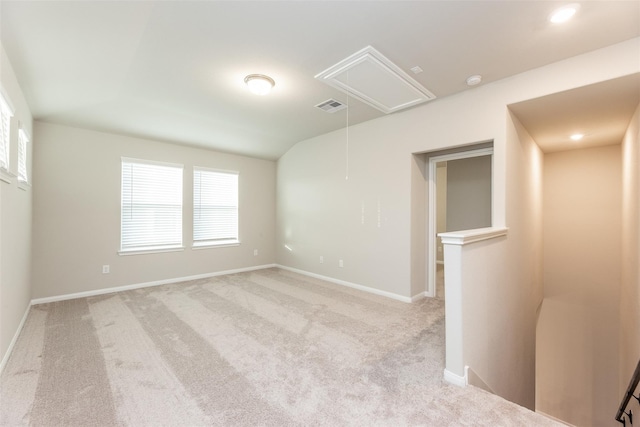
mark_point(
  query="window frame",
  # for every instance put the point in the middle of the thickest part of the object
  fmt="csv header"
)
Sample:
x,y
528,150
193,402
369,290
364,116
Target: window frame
x,y
23,157
6,113
150,248
221,242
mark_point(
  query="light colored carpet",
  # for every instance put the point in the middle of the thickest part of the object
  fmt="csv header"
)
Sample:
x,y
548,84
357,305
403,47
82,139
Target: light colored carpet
x,y
265,348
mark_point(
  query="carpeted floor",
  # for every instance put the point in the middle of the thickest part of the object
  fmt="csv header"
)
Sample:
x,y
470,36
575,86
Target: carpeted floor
x,y
264,348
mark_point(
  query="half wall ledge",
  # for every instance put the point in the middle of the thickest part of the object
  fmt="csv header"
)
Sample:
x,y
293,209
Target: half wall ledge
x,y
454,243
466,237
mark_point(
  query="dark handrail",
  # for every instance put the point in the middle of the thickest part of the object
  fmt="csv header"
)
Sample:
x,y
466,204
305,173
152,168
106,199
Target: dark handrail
x,y
635,379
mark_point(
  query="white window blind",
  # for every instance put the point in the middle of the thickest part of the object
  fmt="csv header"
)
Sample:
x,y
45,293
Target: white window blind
x,y
5,133
151,206
215,207
23,140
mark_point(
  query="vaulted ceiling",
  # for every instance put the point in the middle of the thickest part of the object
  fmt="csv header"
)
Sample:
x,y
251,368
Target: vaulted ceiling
x,y
173,70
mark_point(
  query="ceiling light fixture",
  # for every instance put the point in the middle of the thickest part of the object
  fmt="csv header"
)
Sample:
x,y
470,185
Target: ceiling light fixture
x,y
577,136
474,80
564,13
259,84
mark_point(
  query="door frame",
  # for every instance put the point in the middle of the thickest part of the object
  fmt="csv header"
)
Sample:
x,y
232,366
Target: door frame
x,y
432,208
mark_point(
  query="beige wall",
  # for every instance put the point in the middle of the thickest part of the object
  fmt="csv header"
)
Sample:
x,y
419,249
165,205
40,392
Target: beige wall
x,y
15,220
504,279
630,285
77,212
525,234
320,213
579,322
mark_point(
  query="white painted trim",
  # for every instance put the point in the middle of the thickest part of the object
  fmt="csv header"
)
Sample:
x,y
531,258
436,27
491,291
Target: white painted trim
x,y
419,296
351,285
7,354
465,237
145,285
5,176
155,250
455,379
432,255
209,245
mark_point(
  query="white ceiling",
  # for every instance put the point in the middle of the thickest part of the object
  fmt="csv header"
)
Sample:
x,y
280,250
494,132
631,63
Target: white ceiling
x,y
601,112
173,71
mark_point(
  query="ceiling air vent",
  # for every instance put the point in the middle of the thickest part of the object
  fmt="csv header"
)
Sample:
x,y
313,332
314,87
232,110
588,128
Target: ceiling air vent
x,y
331,106
372,78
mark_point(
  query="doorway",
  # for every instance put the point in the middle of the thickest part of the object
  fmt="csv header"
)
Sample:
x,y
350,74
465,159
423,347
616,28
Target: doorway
x,y
460,198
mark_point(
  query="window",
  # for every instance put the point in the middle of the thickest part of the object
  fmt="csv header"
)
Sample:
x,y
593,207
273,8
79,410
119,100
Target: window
x,y
5,134
23,140
215,207
151,206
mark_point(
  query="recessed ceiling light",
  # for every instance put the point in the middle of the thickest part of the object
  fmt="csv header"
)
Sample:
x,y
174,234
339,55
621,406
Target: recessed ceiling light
x,y
474,80
577,136
564,13
259,84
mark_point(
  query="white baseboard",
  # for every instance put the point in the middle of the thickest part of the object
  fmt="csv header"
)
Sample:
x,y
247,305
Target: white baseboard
x,y
455,379
145,285
352,285
419,296
7,354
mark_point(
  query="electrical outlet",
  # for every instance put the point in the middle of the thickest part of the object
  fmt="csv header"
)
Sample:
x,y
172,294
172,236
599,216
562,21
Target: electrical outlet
x,y
105,269
255,252
321,259
340,263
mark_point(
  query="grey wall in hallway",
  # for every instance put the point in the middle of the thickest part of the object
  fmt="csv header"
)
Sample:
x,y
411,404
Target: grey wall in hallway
x,y
468,193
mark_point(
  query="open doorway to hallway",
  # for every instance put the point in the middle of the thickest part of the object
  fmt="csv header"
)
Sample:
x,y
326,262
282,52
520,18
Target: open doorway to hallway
x,y
460,198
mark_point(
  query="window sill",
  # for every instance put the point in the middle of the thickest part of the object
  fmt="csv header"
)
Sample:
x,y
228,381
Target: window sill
x,y
152,250
217,244
6,176
23,185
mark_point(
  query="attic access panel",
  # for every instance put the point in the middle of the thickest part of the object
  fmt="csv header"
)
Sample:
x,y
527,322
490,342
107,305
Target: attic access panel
x,y
370,77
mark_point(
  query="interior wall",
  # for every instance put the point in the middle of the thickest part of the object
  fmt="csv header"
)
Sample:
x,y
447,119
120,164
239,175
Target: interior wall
x,y
15,219
630,284
468,193
503,279
579,322
77,212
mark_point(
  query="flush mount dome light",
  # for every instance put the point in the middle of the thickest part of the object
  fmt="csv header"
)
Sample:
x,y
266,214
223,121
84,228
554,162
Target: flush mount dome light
x,y
564,13
259,84
577,136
